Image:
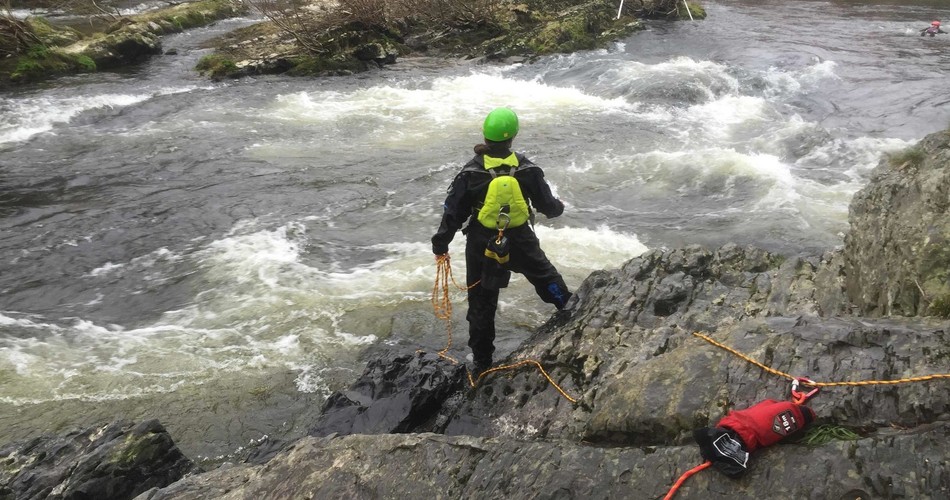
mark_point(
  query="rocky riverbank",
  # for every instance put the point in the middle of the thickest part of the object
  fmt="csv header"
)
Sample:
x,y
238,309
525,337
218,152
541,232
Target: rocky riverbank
x,y
515,31
33,49
637,381
327,38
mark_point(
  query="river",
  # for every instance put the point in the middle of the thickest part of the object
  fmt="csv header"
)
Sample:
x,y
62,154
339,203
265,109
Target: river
x,y
223,255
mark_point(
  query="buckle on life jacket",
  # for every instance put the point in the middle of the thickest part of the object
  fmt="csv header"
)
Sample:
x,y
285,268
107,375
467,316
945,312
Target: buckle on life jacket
x,y
799,397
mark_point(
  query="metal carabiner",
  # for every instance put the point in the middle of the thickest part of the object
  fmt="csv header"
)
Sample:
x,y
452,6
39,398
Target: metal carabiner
x,y
799,397
498,221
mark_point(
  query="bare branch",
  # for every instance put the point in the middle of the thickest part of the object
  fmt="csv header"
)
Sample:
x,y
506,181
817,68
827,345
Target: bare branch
x,y
16,37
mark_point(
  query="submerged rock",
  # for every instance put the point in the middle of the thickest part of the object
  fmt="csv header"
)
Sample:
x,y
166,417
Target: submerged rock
x,y
115,461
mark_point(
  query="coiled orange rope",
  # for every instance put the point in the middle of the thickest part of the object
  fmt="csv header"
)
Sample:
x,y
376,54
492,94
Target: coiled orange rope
x,y
442,308
442,302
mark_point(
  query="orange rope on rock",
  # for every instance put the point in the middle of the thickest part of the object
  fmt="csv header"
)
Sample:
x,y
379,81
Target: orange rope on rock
x,y
684,477
773,371
442,308
517,365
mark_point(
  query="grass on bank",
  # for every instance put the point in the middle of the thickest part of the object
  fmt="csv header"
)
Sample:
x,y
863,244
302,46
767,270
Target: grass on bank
x,y
940,306
39,62
913,157
216,66
823,434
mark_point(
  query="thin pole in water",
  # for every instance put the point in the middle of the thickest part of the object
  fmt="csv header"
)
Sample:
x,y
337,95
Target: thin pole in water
x,y
620,8
684,3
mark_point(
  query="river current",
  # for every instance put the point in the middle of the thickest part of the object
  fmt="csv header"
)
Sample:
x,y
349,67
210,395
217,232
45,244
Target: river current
x,y
223,255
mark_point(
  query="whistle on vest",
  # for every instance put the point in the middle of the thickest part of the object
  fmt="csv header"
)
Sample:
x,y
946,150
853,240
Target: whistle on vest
x,y
495,275
497,249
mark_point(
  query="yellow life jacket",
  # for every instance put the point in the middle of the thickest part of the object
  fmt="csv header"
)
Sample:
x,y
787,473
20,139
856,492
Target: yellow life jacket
x,y
504,196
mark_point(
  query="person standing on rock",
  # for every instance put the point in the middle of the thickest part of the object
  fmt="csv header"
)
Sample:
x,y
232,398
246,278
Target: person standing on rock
x,y
494,193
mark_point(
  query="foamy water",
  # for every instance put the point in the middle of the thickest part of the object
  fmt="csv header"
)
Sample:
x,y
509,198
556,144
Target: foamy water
x,y
23,118
263,302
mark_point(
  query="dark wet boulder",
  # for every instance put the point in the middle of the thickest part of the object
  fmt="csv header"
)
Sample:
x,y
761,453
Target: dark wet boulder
x,y
115,461
379,52
395,394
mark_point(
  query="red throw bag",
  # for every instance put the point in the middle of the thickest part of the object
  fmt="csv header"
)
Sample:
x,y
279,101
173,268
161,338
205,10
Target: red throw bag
x,y
729,443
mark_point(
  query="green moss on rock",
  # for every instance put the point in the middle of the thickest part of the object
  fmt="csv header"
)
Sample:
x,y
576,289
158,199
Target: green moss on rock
x,y
580,27
940,306
695,11
216,66
193,15
42,62
566,35
53,36
129,41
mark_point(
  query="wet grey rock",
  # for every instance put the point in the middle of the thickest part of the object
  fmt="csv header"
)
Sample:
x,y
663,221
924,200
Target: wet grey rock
x,y
380,53
128,45
436,466
640,376
394,395
115,461
897,253
263,66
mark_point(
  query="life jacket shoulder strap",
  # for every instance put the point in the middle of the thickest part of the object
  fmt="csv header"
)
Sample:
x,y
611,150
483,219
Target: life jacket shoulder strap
x,y
477,165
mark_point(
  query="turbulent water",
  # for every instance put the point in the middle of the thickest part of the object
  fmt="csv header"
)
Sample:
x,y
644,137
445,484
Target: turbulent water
x,y
222,255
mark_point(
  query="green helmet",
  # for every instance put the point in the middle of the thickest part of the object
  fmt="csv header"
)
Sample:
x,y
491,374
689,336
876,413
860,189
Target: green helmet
x,y
500,125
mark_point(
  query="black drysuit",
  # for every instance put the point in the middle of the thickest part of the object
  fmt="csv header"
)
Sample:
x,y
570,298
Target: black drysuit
x,y
465,196
932,31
